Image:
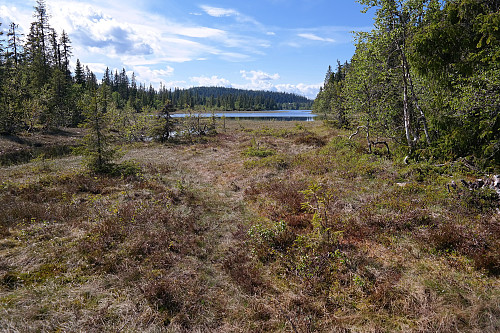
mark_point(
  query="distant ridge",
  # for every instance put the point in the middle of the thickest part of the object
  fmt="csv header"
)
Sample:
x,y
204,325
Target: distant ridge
x,y
232,99
278,97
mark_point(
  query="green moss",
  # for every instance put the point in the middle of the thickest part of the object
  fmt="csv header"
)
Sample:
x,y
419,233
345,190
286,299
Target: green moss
x,y
43,273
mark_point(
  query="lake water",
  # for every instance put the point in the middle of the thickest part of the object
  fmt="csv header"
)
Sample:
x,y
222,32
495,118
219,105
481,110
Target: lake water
x,y
280,115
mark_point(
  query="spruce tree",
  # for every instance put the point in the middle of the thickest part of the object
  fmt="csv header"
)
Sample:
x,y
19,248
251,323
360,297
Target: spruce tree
x,y
79,73
97,143
65,54
165,124
14,44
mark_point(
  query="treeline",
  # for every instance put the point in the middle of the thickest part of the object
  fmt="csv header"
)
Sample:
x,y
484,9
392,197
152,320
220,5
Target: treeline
x,y
230,99
39,91
36,86
427,78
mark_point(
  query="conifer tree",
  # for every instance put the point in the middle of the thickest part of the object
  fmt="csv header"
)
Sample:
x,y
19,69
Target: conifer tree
x,y
65,54
79,73
36,46
165,124
106,78
97,143
14,44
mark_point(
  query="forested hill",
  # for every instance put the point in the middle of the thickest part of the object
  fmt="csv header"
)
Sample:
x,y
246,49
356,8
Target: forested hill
x,y
240,99
278,97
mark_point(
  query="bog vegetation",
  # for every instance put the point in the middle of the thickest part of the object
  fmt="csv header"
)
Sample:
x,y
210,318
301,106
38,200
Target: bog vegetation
x,y
382,217
282,228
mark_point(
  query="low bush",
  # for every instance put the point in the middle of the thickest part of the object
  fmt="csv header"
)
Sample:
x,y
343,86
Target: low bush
x,y
311,140
258,152
267,241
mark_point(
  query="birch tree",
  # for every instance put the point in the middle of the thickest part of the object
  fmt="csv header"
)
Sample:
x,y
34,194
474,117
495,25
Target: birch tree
x,y
395,22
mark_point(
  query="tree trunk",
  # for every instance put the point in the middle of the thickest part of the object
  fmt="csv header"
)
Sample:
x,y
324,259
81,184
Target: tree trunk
x,y
409,82
406,112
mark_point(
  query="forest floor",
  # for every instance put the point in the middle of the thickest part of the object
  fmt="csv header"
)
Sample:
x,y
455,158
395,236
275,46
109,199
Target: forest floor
x,y
263,227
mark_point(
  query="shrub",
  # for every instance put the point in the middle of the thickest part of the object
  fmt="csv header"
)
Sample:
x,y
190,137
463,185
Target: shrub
x,y
482,200
311,140
267,241
126,169
258,152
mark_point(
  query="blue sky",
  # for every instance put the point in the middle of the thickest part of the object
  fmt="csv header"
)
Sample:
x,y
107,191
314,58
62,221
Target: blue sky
x,y
280,45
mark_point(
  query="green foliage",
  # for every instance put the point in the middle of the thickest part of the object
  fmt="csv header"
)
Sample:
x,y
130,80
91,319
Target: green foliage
x,y
129,125
456,53
97,143
230,99
275,161
331,97
164,124
427,77
267,241
481,200
372,91
320,202
256,151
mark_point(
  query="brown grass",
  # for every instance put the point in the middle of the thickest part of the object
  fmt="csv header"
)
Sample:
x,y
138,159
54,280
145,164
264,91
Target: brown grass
x,y
207,239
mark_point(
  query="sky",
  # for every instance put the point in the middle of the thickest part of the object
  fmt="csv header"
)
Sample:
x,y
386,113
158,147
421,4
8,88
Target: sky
x,y
276,45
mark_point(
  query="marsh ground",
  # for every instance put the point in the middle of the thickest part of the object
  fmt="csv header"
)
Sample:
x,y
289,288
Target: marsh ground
x,y
264,227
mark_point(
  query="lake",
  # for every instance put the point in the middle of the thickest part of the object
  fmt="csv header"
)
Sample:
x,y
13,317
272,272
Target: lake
x,y
280,115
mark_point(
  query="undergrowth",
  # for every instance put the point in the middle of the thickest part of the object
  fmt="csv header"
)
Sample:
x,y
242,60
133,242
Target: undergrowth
x,y
318,236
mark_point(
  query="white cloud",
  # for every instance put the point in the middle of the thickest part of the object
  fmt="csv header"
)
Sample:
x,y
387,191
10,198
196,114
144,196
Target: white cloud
x,y
227,12
95,67
201,32
213,81
20,16
308,90
316,38
118,33
219,12
154,76
175,84
263,81
258,80
114,32
257,76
